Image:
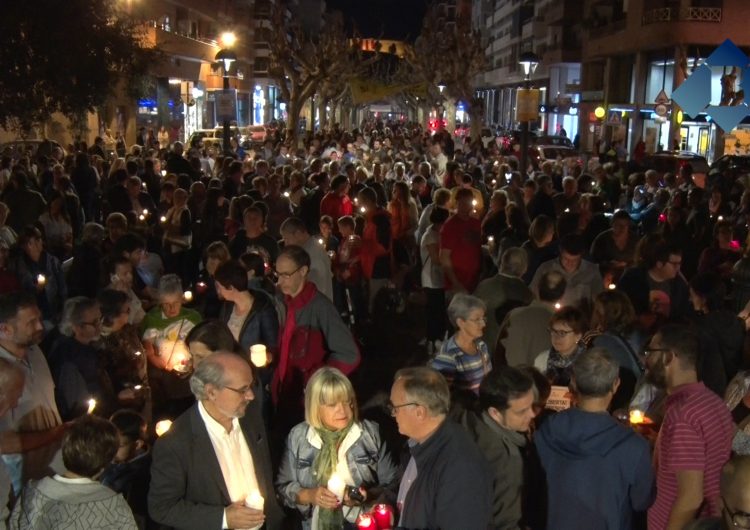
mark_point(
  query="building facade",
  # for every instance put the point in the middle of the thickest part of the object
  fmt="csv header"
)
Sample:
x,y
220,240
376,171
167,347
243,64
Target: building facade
x,y
552,30
635,51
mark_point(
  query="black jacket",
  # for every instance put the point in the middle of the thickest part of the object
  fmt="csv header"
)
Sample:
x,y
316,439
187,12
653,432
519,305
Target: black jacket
x,y
453,488
261,324
634,283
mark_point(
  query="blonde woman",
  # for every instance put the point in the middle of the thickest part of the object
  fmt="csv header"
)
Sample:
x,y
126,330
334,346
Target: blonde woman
x,y
333,441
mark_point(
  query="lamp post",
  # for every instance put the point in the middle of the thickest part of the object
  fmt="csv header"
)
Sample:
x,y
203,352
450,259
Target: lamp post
x,y
441,85
528,61
226,57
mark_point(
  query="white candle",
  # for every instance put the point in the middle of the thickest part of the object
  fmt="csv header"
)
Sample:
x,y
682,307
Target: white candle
x,y
474,202
141,217
558,305
320,240
336,486
163,219
258,355
137,387
41,279
286,194
255,500
612,286
363,209
92,406
145,211
490,239
188,295
163,174
162,426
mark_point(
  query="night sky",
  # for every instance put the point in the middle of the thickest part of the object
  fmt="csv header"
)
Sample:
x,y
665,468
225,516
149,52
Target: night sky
x,y
391,19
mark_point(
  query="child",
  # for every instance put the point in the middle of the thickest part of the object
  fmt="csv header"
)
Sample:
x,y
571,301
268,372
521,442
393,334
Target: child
x,y
330,241
129,471
348,292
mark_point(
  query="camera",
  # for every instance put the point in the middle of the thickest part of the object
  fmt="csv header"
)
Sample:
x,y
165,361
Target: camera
x,y
354,494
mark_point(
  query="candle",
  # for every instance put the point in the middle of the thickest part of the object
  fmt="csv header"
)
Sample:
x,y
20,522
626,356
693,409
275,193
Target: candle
x,y
141,217
331,254
490,239
336,486
363,209
201,287
188,296
137,387
558,305
162,426
41,279
138,353
163,173
474,202
258,355
320,240
255,500
145,211
494,182
163,219
636,417
612,287
356,200
567,210
92,406
365,521
720,218
383,516
286,194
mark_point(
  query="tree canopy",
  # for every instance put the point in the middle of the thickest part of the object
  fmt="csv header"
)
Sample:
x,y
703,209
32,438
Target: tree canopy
x,y
64,56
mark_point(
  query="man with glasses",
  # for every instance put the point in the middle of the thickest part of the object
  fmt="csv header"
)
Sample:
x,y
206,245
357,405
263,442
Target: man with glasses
x,y
695,439
31,432
214,462
294,232
446,483
75,362
657,287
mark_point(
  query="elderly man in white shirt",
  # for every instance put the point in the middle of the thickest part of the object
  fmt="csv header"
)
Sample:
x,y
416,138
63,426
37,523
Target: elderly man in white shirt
x,y
212,469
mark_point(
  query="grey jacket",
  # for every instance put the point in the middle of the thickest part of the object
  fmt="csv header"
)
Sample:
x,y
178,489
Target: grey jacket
x,y
367,457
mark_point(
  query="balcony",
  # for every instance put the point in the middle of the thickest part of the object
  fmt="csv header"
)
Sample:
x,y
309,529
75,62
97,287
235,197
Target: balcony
x,y
607,29
682,14
177,44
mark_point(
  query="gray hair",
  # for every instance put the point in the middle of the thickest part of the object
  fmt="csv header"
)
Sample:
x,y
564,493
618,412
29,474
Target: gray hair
x,y
514,262
595,372
210,371
427,387
170,284
73,311
93,233
462,305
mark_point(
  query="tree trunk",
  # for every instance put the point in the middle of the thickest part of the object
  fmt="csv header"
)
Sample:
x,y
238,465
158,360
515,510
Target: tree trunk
x,y
450,115
293,112
476,111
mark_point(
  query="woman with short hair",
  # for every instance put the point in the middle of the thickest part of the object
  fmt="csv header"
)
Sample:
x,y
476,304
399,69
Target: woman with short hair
x,y
464,358
566,328
75,500
333,440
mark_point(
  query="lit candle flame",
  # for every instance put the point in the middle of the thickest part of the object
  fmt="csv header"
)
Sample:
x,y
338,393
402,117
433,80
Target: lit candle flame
x,y
163,174
92,406
558,305
138,353
637,417
490,239
286,194
363,209
188,296
612,286
320,240
142,217
145,211
41,279
162,426
137,387
720,218
163,219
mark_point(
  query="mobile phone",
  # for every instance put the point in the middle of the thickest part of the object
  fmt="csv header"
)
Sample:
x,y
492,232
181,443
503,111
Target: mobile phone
x,y
355,494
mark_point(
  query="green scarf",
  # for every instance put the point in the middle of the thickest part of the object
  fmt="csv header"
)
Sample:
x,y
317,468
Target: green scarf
x,y
323,467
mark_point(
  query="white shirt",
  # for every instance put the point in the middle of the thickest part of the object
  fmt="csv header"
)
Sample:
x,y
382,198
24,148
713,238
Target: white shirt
x,y
234,458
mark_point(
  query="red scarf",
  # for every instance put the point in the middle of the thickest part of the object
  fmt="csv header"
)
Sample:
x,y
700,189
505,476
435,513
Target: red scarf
x,y
292,306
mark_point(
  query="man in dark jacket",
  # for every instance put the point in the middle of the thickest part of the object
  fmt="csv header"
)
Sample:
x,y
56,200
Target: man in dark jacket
x,y
599,471
507,398
178,164
446,483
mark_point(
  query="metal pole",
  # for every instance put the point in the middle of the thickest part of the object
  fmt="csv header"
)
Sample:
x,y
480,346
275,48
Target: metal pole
x,y
225,137
525,137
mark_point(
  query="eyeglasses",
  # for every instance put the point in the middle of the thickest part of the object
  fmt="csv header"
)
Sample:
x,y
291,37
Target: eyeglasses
x,y
739,518
241,391
648,351
392,409
480,320
560,333
285,275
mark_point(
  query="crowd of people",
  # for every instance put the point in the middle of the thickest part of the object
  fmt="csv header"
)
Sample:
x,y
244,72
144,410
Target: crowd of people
x,y
179,328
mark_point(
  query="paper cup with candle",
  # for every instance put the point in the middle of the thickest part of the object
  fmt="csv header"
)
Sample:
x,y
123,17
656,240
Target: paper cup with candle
x,y
384,516
336,485
41,279
92,406
188,296
366,521
258,355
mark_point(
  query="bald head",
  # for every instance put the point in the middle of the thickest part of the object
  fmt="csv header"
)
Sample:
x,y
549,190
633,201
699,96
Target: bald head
x,y
735,483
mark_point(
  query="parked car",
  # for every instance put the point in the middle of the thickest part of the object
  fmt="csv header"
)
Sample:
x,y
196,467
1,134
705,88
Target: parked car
x,y
19,148
562,141
672,161
736,163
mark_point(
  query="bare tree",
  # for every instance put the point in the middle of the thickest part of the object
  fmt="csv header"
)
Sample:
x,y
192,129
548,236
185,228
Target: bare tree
x,y
304,63
449,51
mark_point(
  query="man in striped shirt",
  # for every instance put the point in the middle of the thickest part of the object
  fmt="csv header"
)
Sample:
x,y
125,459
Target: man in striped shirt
x,y
695,439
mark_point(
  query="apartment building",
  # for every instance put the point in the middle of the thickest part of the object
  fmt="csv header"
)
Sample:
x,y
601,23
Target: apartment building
x,y
550,29
635,49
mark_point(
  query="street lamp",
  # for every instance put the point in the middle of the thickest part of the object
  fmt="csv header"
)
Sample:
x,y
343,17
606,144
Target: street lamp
x,y
528,61
226,57
441,86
